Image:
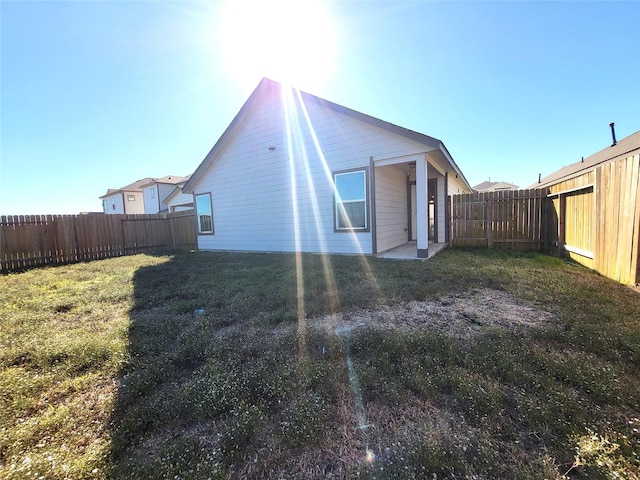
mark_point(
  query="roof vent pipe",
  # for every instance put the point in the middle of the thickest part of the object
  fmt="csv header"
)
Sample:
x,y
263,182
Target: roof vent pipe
x,y
613,133
539,177
582,161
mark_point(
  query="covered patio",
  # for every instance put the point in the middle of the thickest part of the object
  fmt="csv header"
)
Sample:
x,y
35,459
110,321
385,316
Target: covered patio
x,y
410,194
409,249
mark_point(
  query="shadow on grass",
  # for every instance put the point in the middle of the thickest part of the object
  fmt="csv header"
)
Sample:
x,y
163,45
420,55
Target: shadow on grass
x,y
220,369
225,380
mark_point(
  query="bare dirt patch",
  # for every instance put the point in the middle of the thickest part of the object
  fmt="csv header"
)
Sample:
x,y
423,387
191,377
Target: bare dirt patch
x,y
461,314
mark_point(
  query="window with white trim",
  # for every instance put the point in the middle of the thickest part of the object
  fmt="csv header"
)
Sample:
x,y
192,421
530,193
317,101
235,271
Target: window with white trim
x,y
204,213
350,198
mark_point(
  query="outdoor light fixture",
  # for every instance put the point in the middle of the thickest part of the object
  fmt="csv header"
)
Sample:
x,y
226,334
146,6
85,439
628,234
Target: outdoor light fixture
x,y
272,148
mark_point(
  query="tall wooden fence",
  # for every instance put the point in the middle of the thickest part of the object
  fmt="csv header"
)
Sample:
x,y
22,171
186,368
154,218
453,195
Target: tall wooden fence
x,y
511,219
36,240
592,218
595,219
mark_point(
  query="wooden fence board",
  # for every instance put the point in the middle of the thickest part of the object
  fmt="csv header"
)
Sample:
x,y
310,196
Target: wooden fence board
x,y
37,240
504,219
635,205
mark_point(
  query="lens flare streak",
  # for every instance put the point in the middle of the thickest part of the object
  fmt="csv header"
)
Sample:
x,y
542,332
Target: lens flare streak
x,y
343,333
300,171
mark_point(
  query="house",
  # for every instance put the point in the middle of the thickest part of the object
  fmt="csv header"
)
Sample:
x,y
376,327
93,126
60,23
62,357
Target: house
x,y
294,172
595,210
177,201
619,149
128,199
490,186
155,192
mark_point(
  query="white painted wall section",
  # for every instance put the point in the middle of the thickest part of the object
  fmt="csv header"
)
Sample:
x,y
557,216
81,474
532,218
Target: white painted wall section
x,y
391,207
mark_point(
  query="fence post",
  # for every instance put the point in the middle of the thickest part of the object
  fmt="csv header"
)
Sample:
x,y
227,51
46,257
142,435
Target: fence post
x,y
489,220
561,230
173,233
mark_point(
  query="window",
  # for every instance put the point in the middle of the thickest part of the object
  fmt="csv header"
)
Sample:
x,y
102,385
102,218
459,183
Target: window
x,y
113,204
351,200
203,209
105,205
131,198
153,192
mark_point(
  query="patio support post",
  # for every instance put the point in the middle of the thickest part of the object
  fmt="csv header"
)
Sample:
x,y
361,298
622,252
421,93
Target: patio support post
x,y
422,201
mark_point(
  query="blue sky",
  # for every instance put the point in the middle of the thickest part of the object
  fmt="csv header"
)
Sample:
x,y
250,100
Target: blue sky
x,y
98,94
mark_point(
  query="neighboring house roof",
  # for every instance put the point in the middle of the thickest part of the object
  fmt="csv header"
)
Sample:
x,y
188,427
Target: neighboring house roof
x,y
490,186
133,187
263,90
626,147
176,191
169,180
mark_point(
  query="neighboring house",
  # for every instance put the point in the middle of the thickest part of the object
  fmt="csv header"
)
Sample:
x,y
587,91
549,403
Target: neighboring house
x,y
294,172
595,210
177,201
127,199
624,148
157,190
490,186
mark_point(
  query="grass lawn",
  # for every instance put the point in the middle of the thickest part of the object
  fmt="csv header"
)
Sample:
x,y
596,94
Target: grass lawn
x,y
474,364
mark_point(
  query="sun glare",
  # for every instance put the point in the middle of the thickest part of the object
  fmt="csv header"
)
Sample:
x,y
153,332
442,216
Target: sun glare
x,y
288,41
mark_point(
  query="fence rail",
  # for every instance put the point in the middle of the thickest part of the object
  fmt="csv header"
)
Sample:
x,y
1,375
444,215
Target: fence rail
x,y
37,240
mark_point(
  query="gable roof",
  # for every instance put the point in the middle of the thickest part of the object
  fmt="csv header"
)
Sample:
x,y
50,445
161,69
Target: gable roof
x,y
168,180
489,186
176,191
624,148
267,87
132,187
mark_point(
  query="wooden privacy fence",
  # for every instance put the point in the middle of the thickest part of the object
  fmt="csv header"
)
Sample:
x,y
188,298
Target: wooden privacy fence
x,y
36,240
592,218
595,219
512,219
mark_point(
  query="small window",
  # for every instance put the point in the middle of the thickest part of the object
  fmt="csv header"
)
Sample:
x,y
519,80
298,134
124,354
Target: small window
x,y
105,205
351,201
204,213
131,198
153,192
113,204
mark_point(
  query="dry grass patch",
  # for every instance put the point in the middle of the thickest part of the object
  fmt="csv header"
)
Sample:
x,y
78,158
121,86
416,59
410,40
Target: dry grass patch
x,y
460,314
